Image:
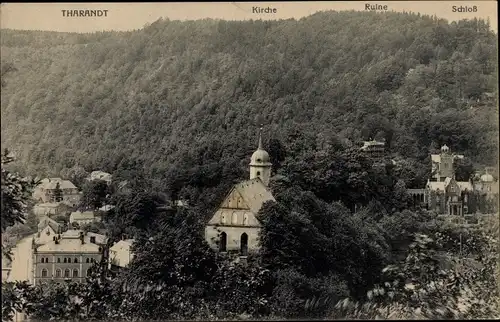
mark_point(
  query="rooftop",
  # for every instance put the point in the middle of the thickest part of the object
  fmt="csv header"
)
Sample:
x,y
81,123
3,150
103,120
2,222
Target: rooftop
x,y
85,215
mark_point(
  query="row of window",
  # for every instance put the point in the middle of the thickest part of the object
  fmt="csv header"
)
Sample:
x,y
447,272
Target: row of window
x,y
234,218
67,273
67,260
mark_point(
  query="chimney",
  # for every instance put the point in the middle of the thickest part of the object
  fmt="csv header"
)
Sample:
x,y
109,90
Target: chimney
x,y
82,238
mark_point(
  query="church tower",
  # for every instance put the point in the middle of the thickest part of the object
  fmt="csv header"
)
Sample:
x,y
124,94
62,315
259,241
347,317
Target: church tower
x,y
260,167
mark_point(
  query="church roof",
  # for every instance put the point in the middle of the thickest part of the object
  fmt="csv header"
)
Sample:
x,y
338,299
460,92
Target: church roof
x,y
254,193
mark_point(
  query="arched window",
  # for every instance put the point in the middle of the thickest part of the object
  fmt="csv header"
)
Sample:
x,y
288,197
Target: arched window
x,y
258,173
66,272
46,260
44,272
223,218
65,260
88,272
58,272
87,260
234,218
58,260
75,273
245,219
223,242
76,260
42,260
244,244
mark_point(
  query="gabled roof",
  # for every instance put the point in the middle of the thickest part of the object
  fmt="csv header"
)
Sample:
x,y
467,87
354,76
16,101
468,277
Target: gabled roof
x,y
122,245
441,185
51,183
254,193
46,221
78,215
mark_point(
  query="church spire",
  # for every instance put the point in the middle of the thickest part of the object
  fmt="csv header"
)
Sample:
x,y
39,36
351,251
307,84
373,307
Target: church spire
x,y
260,138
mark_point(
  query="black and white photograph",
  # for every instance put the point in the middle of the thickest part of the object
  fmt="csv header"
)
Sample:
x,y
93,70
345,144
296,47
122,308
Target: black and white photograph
x,y
233,161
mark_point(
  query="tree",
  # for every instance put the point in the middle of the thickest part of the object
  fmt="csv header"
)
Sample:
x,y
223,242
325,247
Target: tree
x,y
16,192
95,194
58,194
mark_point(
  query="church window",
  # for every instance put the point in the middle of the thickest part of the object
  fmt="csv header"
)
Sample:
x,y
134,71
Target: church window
x,y
234,218
223,242
43,260
244,244
65,260
44,272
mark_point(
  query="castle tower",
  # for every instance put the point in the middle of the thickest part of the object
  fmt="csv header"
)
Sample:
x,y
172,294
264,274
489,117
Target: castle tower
x,y
260,167
446,165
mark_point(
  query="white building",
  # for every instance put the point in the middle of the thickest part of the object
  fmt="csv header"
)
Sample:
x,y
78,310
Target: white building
x,y
120,254
82,218
100,175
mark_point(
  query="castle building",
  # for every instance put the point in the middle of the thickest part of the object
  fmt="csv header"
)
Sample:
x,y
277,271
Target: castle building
x,y
443,193
442,164
234,226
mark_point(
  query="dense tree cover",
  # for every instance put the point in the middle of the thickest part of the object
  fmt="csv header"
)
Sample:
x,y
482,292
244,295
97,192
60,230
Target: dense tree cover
x,y
167,110
16,195
180,95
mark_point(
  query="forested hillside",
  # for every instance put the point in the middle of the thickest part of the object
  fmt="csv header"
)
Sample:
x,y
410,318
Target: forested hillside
x,y
181,95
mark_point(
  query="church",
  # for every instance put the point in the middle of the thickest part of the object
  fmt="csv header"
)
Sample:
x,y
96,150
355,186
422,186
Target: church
x,y
234,226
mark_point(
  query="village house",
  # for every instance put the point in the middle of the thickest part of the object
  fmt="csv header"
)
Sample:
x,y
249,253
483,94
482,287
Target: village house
x,y
82,218
374,150
120,254
50,209
234,226
46,192
47,229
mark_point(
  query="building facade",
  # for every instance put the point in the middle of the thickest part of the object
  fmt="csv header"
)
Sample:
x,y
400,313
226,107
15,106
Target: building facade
x,y
374,150
120,254
68,256
83,218
234,226
45,192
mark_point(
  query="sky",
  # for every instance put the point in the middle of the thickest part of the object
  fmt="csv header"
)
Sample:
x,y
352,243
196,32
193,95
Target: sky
x,y
130,16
